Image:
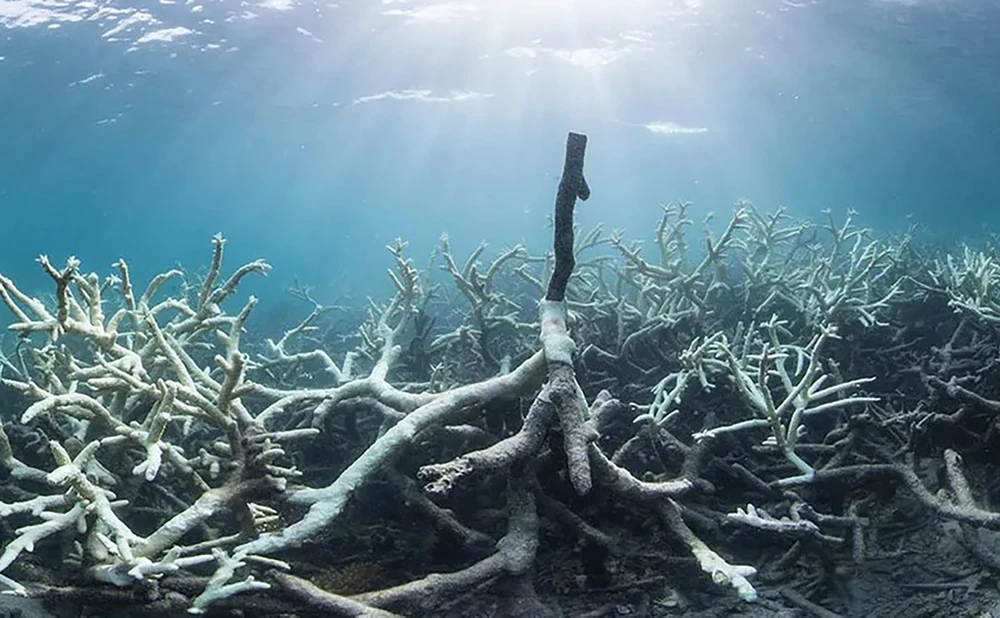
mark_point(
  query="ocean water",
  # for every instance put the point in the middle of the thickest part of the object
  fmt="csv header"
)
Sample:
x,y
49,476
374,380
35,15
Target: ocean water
x,y
313,133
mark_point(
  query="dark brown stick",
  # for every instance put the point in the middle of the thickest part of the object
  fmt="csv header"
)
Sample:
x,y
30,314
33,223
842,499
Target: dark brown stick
x,y
572,185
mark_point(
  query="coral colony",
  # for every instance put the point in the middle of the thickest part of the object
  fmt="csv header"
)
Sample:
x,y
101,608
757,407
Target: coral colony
x,y
765,380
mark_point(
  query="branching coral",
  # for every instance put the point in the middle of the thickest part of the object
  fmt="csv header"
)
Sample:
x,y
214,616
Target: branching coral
x,y
130,397
718,384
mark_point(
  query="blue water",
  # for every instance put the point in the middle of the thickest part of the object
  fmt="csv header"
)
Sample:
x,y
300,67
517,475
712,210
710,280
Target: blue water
x,y
313,133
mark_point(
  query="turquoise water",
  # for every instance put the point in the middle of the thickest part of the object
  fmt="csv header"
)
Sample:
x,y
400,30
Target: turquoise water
x,y
313,133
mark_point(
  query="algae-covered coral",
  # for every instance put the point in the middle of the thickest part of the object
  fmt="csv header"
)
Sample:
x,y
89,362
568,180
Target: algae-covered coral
x,y
775,378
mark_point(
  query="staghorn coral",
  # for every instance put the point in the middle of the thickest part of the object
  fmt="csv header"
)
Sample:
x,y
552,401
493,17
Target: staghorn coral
x,y
647,383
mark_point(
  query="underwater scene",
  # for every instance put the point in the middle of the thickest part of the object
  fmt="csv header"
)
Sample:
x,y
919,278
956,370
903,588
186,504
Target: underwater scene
x,y
500,308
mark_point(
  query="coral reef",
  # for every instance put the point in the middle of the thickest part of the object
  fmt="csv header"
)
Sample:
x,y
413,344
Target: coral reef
x,y
756,403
